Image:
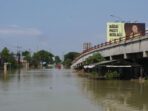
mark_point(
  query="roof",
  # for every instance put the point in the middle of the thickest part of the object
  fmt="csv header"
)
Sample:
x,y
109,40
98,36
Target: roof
x,y
105,62
112,63
99,63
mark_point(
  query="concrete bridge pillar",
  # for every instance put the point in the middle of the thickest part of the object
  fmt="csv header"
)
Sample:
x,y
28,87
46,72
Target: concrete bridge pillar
x,y
125,56
5,68
145,54
110,58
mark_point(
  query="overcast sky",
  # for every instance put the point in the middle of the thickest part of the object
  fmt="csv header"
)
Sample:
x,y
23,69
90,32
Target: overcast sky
x,y
60,26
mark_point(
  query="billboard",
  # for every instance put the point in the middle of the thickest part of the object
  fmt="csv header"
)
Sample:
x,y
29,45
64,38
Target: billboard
x,y
115,30
134,29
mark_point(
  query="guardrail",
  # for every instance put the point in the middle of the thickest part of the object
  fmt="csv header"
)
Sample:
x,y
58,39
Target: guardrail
x,y
115,41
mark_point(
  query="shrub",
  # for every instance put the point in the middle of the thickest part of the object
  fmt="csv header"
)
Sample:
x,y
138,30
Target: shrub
x,y
146,77
112,75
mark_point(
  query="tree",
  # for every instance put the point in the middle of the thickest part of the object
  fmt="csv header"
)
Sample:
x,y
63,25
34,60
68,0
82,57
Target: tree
x,y
97,57
69,57
6,56
12,60
27,56
43,57
57,60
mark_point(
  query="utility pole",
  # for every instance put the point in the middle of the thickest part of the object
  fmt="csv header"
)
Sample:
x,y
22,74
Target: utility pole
x,y
18,55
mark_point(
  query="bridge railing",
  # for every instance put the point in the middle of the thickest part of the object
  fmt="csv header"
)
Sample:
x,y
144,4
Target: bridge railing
x,y
115,41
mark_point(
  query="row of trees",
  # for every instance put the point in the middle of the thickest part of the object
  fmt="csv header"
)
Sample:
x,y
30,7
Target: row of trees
x,y
41,57
35,60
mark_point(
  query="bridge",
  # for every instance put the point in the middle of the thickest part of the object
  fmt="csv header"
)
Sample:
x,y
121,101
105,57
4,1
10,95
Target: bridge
x,y
122,48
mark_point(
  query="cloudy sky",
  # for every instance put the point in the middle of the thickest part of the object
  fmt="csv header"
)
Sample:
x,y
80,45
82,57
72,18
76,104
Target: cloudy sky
x,y
60,26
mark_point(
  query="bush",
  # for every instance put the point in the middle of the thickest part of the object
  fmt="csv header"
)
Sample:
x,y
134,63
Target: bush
x,y
93,75
112,75
146,77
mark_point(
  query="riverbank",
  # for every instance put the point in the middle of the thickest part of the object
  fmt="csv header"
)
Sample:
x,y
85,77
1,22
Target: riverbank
x,y
96,76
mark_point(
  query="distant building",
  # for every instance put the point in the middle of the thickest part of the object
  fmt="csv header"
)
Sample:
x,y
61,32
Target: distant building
x,y
87,45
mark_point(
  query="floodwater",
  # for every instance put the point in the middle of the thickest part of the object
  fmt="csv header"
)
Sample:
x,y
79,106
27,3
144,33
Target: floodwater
x,y
63,90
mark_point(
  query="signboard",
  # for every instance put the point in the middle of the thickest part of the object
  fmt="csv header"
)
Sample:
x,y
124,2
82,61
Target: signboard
x,y
116,30
134,29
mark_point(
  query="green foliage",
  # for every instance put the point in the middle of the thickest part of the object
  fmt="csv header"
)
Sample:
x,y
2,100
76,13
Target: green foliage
x,y
94,74
27,56
12,60
69,57
42,56
26,53
97,57
67,63
39,57
146,78
57,60
112,75
6,56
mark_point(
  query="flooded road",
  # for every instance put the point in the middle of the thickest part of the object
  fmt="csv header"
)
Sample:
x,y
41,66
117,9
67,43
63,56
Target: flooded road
x,y
63,90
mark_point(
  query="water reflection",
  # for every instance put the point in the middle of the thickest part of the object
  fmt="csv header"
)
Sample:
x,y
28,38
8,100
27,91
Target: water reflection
x,y
62,90
117,95
42,90
17,79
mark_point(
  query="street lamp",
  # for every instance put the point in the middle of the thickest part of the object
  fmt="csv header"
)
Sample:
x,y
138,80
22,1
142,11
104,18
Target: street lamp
x,y
119,18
